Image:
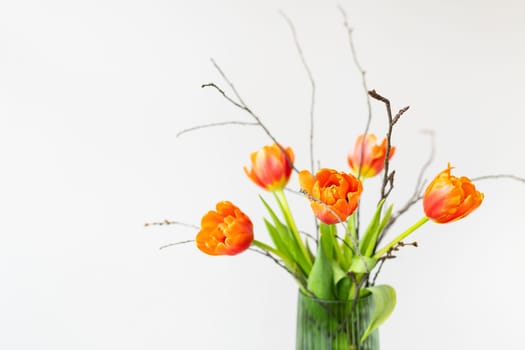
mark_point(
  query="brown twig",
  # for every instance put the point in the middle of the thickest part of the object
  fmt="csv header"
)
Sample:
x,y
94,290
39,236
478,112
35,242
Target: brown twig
x,y
416,196
389,256
388,178
242,105
312,84
380,267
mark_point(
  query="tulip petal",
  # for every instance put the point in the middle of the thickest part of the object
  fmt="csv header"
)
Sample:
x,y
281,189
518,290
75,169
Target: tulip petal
x,y
448,198
226,231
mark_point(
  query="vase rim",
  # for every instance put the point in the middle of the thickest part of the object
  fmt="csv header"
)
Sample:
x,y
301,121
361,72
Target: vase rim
x,y
333,301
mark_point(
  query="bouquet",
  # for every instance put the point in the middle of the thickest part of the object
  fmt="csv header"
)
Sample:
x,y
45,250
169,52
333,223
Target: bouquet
x,y
340,261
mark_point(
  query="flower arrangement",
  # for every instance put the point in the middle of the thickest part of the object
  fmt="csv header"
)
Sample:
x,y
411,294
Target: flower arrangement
x,y
338,261
340,266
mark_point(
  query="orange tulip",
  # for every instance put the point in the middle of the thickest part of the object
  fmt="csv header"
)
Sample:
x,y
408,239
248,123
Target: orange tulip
x,y
373,156
449,198
271,167
227,231
333,193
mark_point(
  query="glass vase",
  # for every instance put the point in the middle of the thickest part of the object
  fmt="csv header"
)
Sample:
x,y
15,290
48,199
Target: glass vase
x,y
334,324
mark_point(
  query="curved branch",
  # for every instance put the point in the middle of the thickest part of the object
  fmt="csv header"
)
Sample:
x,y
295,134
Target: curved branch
x,y
233,122
312,84
242,105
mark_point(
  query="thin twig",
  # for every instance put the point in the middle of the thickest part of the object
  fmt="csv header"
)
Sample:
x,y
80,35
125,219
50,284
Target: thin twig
x,y
380,267
309,235
176,243
167,222
214,125
275,260
389,256
417,195
242,105
350,31
388,178
499,176
312,84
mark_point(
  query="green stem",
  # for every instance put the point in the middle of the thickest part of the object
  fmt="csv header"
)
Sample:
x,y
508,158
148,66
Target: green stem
x,y
398,239
281,198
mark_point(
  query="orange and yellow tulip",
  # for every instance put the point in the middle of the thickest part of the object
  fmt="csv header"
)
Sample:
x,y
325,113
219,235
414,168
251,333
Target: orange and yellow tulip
x,y
226,231
449,198
271,167
333,192
373,156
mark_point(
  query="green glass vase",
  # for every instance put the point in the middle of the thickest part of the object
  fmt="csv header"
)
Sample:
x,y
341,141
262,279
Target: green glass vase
x,y
334,324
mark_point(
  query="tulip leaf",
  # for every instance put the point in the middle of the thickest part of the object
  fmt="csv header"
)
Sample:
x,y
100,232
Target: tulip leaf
x,y
384,302
301,256
341,282
369,240
327,235
386,218
321,278
283,239
362,264
277,239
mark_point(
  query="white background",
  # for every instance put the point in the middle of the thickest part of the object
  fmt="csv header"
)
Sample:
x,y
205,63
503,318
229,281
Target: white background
x,y
93,93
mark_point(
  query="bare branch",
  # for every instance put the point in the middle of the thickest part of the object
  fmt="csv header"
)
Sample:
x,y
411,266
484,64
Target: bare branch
x,y
312,84
221,91
350,31
167,222
242,105
499,176
275,260
389,256
309,235
388,177
176,243
380,267
416,196
233,122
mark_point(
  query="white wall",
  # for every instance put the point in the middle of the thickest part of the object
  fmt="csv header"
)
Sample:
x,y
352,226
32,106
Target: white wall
x,y
93,93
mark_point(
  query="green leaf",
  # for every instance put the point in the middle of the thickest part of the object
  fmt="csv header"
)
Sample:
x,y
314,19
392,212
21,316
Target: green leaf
x,y
384,303
362,264
350,222
277,239
299,249
386,218
328,236
278,233
283,239
348,253
342,282
321,278
369,240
